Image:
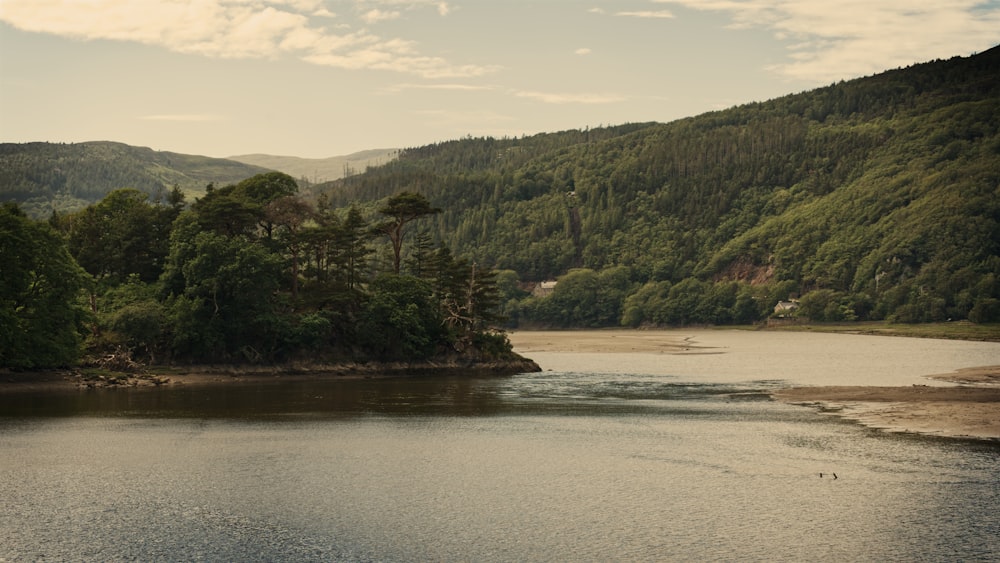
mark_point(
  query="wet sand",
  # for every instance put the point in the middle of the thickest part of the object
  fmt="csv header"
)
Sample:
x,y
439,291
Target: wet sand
x,y
966,411
968,408
605,341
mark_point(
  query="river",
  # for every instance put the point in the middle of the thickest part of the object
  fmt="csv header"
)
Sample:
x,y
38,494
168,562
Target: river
x,y
600,457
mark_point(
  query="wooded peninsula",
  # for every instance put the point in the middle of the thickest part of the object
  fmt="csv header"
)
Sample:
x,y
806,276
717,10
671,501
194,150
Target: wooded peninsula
x,y
248,274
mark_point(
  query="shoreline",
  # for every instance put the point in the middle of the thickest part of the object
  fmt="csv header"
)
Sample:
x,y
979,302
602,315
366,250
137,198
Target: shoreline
x,y
965,405
83,379
970,409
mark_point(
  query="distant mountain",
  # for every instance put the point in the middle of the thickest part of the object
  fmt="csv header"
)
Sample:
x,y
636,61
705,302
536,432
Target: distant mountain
x,y
878,197
317,170
65,177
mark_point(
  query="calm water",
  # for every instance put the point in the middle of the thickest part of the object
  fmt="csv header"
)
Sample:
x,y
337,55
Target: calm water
x,y
603,458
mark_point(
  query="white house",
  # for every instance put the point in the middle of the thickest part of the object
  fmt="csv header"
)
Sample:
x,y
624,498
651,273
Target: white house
x,y
544,289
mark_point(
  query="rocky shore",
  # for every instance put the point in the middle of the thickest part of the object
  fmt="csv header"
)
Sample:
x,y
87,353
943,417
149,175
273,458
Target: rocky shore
x,y
167,376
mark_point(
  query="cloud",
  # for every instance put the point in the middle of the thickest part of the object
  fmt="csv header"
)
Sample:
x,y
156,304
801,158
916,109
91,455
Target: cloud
x,y
443,8
237,29
376,15
582,51
835,39
439,86
556,98
646,14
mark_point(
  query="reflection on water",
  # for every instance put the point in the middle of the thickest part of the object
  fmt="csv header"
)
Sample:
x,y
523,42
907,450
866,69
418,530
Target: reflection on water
x,y
582,393
555,466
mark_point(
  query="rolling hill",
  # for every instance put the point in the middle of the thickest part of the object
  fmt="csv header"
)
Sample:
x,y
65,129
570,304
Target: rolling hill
x,y
318,170
42,177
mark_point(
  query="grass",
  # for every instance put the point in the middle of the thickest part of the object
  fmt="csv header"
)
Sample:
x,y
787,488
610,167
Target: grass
x,y
958,330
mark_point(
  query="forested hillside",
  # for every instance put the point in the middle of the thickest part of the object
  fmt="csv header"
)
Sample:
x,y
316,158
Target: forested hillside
x,y
41,177
876,198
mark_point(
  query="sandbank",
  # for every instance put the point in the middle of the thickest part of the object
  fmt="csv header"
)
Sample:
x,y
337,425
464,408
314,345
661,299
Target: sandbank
x,y
967,407
957,412
609,341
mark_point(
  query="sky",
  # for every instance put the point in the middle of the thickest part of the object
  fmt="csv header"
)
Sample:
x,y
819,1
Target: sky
x,y
322,78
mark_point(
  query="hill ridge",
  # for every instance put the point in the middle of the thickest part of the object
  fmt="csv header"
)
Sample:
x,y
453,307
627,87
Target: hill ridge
x,y
881,194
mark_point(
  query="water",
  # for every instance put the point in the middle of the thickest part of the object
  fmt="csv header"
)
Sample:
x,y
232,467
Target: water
x,y
626,462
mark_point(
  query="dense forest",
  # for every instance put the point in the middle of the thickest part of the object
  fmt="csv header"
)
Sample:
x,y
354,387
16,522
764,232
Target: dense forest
x,y
871,199
876,198
248,273
47,177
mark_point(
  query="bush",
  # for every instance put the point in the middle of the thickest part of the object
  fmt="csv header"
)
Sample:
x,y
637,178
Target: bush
x,y
826,305
494,345
986,310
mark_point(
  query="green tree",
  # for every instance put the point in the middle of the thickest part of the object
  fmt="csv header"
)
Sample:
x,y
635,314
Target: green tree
x,y
134,318
40,283
685,302
267,187
224,211
825,305
121,235
645,305
467,293
261,190
224,302
351,244
421,251
402,209
510,294
613,286
574,301
401,319
289,213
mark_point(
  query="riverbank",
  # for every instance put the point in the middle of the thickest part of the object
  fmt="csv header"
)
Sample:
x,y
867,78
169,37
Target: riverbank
x,y
170,376
965,403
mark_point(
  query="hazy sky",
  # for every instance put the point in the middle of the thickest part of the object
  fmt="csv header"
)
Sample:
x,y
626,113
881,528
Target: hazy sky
x,y
318,78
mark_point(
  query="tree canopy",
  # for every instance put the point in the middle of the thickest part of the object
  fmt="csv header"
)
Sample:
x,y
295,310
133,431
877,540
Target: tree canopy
x,y
40,312
402,209
250,273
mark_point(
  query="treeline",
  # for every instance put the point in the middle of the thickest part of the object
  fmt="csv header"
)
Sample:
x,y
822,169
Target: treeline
x,y
250,272
875,198
42,177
